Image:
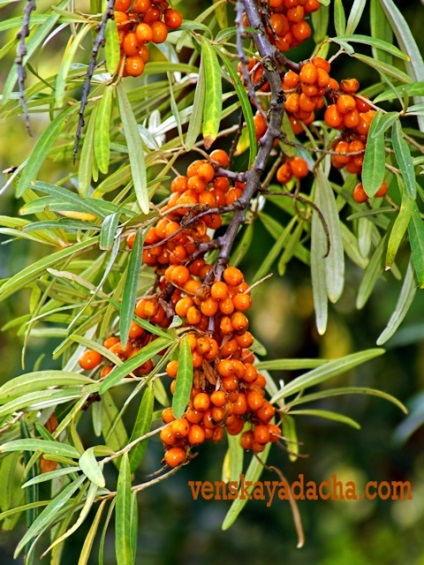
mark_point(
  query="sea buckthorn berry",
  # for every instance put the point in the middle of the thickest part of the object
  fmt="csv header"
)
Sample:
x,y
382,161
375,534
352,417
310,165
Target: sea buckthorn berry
x,y
209,307
193,316
196,435
206,172
321,63
291,104
361,104
246,440
144,33
134,66
218,398
225,367
239,322
312,6
295,14
146,308
175,456
299,167
218,413
235,427
279,24
359,194
180,275
152,15
173,19
108,342
201,402
232,276
144,53
349,85
242,302
172,369
290,80
351,119
254,400
167,435
135,331
180,427
306,103
333,117
213,221
121,19
203,345
257,447
193,416
345,103
383,190
240,405
221,157
105,371
218,434
260,124
301,31
274,433
229,348
168,415
244,340
122,5
261,433
230,384
308,73
284,173
130,44
266,411
160,32
90,359
141,6
219,290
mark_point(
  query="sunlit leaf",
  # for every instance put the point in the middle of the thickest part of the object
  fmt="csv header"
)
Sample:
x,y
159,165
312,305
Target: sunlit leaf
x,y
123,546
374,270
290,437
380,29
112,50
416,237
373,169
91,468
142,425
184,379
319,249
404,159
212,110
129,295
102,131
339,18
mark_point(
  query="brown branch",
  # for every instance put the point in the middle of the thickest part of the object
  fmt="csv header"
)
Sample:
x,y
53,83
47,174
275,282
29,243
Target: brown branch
x,y
19,61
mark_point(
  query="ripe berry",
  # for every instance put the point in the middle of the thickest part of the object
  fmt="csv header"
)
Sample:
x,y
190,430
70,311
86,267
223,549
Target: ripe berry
x,y
160,32
144,33
382,191
134,66
246,440
299,167
201,402
261,433
90,359
173,18
232,276
359,194
196,435
175,456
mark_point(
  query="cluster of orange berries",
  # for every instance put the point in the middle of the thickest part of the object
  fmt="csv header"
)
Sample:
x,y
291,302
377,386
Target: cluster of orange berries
x,y
140,22
227,390
287,25
292,167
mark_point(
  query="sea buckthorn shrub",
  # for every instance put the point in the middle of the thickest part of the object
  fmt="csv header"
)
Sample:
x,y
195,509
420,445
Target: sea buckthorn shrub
x,y
144,198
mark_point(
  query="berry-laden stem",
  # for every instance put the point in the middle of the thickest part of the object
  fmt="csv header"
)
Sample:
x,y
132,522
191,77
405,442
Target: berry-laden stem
x,y
275,116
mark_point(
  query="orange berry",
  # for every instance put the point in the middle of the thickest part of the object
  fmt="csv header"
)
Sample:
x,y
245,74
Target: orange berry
x,y
105,371
196,435
321,63
167,436
175,456
274,433
219,398
160,32
136,331
193,316
260,125
219,290
209,307
333,117
349,85
345,103
121,19
284,173
301,31
299,167
201,402
182,306
359,194
193,416
362,105
152,15
232,276
279,24
206,172
172,369
225,367
134,66
382,191
122,5
180,275
180,427
144,33
173,18
240,405
144,53
265,412
141,6
242,302
261,433
246,440
90,359
290,80
244,340
291,104
168,416
308,73
130,44
108,342
351,119
239,322
255,400
221,157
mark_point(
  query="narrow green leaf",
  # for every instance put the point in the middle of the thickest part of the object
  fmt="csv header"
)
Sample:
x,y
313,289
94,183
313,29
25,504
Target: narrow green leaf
x,y
290,248
87,156
340,391
374,270
50,475
243,246
135,150
380,29
112,50
416,238
339,18
133,537
327,371
91,468
289,364
50,514
90,536
404,159
245,106
383,68
41,150
318,270
351,247
253,474
221,13
146,353
413,89
50,447
365,230
234,459
129,295
290,434
407,43
374,159
355,15
184,379
404,302
320,20
373,42
196,118
334,261
212,110
102,130
32,494
113,427
123,546
385,122
142,426
74,44
109,232
329,415
39,380
399,228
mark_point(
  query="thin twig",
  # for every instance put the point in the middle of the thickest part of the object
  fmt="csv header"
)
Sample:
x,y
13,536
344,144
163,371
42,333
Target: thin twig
x,y
19,61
